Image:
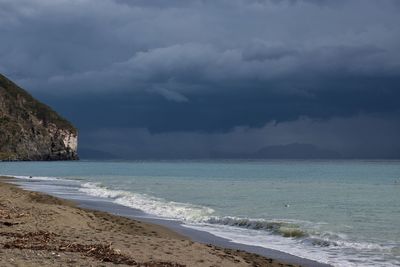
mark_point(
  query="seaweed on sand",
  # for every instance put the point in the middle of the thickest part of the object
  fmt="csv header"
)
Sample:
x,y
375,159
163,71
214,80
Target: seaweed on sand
x,y
47,241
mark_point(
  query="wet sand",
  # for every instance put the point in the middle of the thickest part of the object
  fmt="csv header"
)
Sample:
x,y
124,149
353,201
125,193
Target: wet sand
x,y
41,230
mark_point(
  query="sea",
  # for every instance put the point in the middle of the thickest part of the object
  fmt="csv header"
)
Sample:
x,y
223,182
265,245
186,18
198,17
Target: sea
x,y
343,213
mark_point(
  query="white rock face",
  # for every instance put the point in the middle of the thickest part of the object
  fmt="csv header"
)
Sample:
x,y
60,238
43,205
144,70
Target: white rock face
x,y
71,141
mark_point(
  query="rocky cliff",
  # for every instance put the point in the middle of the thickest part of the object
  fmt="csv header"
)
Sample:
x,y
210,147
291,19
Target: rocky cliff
x,y
30,130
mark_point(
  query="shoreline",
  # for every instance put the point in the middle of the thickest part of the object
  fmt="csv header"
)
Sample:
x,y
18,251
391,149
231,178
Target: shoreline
x,y
199,235
243,255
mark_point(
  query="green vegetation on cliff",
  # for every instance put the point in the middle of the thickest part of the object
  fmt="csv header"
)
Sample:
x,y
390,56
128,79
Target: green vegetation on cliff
x,y
31,130
13,94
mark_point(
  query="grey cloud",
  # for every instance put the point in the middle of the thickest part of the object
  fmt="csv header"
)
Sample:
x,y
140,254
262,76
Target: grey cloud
x,y
169,95
205,67
60,38
198,64
369,138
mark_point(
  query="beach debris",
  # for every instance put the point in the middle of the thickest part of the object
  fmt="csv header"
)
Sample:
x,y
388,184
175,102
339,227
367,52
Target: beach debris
x,y
47,241
160,264
31,238
9,212
8,223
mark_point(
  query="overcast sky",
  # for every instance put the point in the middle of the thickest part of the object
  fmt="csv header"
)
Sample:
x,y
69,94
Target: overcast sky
x,y
183,78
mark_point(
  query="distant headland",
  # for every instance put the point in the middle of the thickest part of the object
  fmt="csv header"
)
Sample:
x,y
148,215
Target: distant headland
x,y
31,130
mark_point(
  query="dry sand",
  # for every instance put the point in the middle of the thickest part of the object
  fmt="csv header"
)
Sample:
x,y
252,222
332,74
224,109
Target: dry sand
x,y
40,230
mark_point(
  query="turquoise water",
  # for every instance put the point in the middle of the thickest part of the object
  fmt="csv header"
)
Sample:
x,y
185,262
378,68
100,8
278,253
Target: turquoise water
x,y
346,213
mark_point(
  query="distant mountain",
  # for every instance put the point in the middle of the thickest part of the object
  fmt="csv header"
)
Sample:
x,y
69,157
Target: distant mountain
x,y
295,151
30,130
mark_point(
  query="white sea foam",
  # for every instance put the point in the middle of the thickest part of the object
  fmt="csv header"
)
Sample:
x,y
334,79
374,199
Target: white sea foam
x,y
151,205
332,254
285,235
41,178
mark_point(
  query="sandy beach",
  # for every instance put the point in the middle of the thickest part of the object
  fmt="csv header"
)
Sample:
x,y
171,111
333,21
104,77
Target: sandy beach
x,y
40,230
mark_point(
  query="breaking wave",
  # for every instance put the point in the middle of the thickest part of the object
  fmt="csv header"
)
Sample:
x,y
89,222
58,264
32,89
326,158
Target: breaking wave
x,y
151,205
199,215
39,178
282,228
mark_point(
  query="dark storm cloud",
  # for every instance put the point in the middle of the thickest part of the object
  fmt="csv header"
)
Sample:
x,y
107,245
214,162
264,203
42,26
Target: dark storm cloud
x,y
205,66
353,137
